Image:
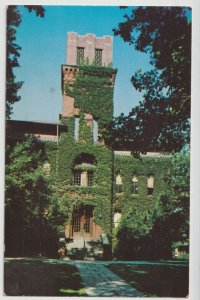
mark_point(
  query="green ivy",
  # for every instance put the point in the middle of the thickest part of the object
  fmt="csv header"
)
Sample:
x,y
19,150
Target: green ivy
x,y
129,166
102,194
93,92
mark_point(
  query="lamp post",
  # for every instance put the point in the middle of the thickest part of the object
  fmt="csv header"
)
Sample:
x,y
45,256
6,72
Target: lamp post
x,y
83,235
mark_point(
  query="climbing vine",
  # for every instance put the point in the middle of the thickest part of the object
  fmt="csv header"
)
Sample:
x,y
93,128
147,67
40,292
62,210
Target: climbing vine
x,y
129,166
93,92
70,195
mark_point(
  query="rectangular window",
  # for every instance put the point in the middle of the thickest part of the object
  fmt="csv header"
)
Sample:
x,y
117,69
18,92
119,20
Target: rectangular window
x,y
76,223
150,181
77,177
95,131
98,57
119,188
149,191
86,225
150,184
90,178
135,187
80,55
76,128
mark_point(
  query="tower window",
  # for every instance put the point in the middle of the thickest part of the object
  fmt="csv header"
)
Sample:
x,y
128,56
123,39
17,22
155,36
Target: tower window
x,y
98,57
80,55
135,185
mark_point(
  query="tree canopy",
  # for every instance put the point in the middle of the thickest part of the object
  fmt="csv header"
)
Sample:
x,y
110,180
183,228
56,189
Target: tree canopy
x,y
14,19
153,234
161,120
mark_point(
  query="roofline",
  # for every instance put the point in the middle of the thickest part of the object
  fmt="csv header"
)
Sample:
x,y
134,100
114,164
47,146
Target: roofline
x,y
36,122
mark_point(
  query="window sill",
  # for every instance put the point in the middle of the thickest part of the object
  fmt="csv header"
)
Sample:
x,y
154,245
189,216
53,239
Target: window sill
x,y
84,186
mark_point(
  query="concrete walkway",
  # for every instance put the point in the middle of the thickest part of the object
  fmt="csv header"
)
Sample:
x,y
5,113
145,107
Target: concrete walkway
x,y
101,282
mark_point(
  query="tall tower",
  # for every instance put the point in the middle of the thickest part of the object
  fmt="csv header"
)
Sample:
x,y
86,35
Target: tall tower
x,y
85,162
88,78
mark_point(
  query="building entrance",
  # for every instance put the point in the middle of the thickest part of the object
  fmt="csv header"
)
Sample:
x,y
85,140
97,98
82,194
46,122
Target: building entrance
x,y
82,224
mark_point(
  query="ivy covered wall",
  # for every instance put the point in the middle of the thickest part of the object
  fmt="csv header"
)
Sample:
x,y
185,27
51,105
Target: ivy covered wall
x,y
62,161
93,92
129,166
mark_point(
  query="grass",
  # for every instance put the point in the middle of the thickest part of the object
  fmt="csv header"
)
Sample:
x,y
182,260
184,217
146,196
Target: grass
x,y
155,280
41,277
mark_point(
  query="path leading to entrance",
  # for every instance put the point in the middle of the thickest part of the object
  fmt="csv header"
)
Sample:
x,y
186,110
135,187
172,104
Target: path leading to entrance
x,y
101,282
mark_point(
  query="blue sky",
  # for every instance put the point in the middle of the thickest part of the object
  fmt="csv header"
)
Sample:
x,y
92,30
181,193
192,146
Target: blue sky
x,y
43,42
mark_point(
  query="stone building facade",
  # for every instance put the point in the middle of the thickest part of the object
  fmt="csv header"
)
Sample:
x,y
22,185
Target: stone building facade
x,y
100,184
104,183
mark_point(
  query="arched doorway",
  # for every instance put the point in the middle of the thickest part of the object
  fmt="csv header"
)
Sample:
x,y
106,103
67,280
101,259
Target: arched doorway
x,y
82,221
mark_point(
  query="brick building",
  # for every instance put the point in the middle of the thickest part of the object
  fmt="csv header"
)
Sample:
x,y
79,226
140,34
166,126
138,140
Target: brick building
x,y
100,184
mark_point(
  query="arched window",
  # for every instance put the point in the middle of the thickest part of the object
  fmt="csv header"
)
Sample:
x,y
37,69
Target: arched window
x,y
117,218
84,166
119,183
135,184
150,184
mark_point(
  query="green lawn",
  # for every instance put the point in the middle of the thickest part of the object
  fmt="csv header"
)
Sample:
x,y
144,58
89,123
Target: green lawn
x,y
155,280
41,277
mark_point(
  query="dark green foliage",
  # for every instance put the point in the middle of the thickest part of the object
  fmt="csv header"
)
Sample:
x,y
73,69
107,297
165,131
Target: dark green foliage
x,y
173,210
13,53
132,235
129,166
41,277
27,199
38,9
155,280
152,224
160,121
147,235
93,92
180,183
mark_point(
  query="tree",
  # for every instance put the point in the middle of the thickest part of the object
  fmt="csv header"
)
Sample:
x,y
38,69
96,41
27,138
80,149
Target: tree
x,y
152,234
13,53
180,183
27,198
132,234
161,120
171,218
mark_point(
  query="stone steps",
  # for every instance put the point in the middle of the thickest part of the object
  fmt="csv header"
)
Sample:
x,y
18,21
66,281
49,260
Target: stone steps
x,y
82,249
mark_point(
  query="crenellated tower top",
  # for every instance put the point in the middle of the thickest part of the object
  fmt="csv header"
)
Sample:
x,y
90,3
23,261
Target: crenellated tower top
x,y
88,79
89,48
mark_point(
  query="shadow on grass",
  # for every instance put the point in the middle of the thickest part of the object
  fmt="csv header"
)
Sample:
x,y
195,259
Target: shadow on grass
x,y
41,277
155,280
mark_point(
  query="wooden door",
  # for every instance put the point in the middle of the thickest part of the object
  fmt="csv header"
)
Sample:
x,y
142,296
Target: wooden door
x,y
83,222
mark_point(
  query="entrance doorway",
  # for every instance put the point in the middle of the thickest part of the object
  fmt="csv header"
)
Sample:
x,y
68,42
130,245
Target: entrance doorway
x,y
82,224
